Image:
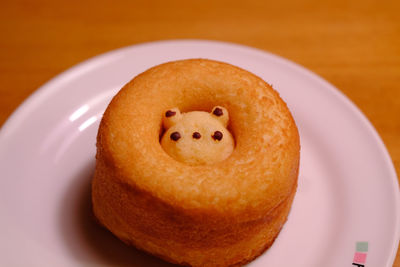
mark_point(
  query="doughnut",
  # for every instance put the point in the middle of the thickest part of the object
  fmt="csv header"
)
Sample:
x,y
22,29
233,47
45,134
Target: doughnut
x,y
197,163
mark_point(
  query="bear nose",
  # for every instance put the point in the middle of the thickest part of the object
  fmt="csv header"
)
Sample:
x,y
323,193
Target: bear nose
x,y
196,135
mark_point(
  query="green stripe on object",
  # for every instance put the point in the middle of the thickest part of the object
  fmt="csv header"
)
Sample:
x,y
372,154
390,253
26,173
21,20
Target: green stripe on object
x,y
362,246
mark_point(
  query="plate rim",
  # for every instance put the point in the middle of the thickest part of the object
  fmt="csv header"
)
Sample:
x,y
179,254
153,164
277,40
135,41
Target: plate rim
x,y
13,122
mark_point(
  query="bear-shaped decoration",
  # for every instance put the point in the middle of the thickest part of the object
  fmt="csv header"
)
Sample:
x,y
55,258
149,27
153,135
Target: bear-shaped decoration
x,y
197,137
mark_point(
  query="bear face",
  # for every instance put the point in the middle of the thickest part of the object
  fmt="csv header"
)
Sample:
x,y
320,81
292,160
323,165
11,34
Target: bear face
x,y
197,137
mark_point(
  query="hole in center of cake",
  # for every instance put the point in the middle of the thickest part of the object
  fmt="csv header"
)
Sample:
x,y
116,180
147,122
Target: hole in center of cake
x,y
197,137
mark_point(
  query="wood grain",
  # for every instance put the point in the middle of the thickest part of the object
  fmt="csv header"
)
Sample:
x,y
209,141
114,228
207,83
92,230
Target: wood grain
x,y
355,45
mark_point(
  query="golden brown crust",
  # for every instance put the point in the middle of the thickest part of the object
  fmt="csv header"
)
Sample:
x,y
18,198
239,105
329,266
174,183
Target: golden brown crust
x,y
209,215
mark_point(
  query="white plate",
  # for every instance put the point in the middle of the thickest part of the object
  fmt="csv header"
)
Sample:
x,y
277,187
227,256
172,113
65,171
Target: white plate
x,y
348,190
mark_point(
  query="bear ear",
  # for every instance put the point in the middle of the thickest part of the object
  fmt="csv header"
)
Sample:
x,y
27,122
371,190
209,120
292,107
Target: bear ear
x,y
171,117
221,114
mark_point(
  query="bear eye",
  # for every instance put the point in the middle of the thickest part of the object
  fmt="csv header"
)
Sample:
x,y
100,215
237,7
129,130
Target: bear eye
x,y
217,135
196,135
175,136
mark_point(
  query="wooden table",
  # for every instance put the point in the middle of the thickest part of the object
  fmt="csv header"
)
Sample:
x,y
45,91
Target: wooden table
x,y
355,45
